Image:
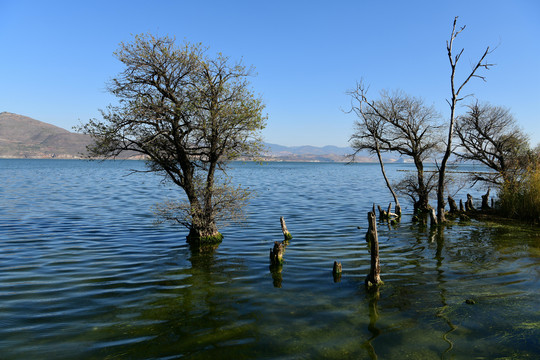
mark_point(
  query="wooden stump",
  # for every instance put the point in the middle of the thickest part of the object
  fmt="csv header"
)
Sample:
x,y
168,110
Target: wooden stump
x,y
286,234
336,271
387,214
374,277
382,213
485,201
433,217
453,206
398,211
469,203
276,254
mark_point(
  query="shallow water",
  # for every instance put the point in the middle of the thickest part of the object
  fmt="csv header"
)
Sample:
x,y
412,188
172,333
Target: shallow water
x,y
85,272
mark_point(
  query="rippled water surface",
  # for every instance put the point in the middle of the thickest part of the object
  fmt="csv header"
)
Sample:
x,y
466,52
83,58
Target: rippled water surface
x,y
86,274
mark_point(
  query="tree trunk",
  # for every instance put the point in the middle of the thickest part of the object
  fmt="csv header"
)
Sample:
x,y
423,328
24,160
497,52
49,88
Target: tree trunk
x,y
442,170
433,217
388,185
453,206
423,196
485,201
374,277
204,236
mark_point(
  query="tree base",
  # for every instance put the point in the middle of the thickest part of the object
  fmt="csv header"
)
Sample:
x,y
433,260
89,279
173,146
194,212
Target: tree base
x,y
204,243
372,285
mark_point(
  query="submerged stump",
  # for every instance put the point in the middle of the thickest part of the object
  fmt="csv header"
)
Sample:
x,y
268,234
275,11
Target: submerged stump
x,y
433,217
382,214
374,277
276,253
485,201
336,271
453,206
286,234
469,203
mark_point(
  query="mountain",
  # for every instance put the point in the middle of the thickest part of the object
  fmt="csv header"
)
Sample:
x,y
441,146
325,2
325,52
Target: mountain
x,y
327,153
24,137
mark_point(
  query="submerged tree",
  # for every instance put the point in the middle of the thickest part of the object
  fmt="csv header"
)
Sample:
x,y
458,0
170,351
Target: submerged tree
x,y
402,124
455,99
369,129
188,114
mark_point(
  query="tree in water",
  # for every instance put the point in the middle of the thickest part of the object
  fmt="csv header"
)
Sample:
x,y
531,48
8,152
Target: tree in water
x,y
455,99
368,131
188,114
490,135
401,124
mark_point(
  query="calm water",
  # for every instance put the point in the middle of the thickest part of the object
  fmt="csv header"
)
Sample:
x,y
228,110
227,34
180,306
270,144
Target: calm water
x,y
86,274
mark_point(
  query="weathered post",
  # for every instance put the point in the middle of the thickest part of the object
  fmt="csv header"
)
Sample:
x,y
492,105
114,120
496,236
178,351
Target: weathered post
x,y
276,254
381,213
374,277
485,201
469,203
286,234
336,271
453,206
461,208
433,217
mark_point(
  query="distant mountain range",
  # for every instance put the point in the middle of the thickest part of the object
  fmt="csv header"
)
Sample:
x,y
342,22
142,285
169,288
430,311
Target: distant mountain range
x,y
24,137
327,153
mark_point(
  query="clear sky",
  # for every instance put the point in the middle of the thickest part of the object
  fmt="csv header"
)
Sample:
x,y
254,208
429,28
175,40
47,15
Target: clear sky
x,y
56,56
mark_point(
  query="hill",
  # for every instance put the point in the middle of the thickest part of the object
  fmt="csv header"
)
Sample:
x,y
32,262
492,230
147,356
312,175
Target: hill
x,y
327,153
24,137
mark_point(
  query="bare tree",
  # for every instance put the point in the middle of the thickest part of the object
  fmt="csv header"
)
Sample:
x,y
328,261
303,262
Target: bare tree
x,y
490,135
368,131
456,97
188,114
398,123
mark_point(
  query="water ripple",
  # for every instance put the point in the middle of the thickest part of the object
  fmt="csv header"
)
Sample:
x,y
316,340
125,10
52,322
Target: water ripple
x,y
85,273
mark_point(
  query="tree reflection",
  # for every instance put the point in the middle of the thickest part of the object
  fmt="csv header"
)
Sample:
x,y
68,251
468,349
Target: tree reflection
x,y
373,296
438,236
277,277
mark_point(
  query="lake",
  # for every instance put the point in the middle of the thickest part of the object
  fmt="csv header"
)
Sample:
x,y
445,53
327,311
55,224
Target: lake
x,y
86,273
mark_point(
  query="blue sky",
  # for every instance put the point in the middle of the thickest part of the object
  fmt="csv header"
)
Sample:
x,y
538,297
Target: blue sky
x,y
56,56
